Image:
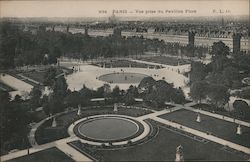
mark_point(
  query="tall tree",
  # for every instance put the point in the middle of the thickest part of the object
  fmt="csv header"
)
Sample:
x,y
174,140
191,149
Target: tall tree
x,y
8,44
218,95
230,74
49,77
178,96
74,99
129,97
219,55
60,86
35,97
198,72
116,94
198,90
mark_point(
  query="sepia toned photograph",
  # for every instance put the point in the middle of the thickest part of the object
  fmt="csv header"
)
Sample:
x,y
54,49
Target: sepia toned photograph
x,y
124,80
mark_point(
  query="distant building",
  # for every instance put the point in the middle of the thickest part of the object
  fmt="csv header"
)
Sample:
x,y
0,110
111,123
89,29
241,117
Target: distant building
x,y
236,42
191,35
151,30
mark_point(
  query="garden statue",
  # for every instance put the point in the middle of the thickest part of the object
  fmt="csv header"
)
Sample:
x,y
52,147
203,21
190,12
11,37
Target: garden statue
x,y
54,122
239,131
198,119
79,110
115,107
179,154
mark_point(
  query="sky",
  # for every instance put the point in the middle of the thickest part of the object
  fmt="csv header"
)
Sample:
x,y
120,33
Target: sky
x,y
126,8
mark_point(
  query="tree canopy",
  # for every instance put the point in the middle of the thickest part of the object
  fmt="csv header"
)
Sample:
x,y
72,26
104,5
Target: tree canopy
x,y
198,90
218,95
161,92
198,72
242,109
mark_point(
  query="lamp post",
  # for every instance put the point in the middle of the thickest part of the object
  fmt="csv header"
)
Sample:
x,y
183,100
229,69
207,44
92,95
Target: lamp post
x,y
28,149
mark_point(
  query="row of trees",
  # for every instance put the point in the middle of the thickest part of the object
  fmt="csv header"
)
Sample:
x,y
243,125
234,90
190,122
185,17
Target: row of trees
x,y
15,118
18,113
214,81
218,94
24,48
158,92
223,69
20,48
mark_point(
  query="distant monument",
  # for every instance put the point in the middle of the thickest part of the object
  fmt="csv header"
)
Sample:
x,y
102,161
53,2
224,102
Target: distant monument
x,y
115,107
79,110
86,31
239,131
113,19
179,154
198,119
54,123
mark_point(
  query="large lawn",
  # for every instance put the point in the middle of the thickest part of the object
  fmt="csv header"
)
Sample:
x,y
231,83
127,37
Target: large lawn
x,y
220,111
220,128
166,60
148,106
38,75
49,155
163,148
124,63
35,75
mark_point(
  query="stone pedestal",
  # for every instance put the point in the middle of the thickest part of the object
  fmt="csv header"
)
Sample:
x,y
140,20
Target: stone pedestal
x,y
198,119
239,131
54,123
79,110
179,154
115,107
